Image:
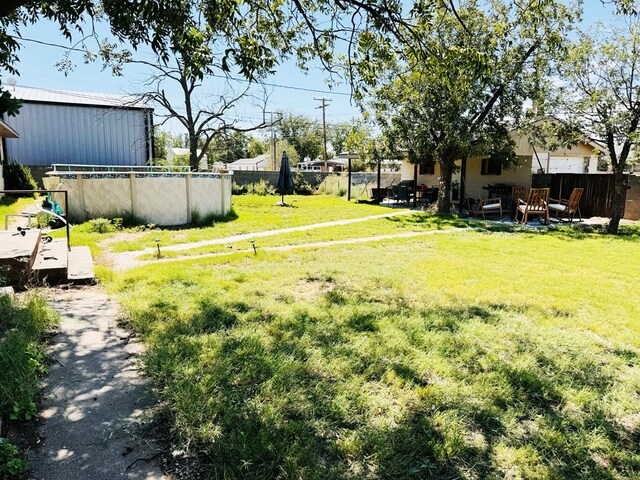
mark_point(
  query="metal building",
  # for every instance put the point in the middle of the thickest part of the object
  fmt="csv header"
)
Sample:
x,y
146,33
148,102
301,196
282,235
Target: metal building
x,y
79,128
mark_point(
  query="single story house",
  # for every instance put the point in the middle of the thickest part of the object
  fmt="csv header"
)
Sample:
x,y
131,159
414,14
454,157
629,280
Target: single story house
x,y
173,152
5,132
386,165
480,171
261,162
67,127
333,165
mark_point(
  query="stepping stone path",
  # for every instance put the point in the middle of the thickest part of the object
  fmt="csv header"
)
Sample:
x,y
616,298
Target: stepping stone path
x,y
95,397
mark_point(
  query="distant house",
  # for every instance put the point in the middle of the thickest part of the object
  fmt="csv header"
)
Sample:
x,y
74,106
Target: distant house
x,y
261,162
68,127
5,132
173,152
386,166
333,165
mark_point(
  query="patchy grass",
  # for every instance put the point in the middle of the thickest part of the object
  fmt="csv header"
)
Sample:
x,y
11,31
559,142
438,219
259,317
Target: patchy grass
x,y
250,213
476,355
23,326
418,222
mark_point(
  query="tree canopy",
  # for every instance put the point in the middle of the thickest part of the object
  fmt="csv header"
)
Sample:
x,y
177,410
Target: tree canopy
x,y
600,96
465,90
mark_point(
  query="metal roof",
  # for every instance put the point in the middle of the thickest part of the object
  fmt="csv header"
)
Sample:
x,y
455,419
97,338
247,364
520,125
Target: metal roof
x,y
66,97
251,161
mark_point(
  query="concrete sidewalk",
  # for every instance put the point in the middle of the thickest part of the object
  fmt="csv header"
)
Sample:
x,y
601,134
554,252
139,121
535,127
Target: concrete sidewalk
x,y
95,397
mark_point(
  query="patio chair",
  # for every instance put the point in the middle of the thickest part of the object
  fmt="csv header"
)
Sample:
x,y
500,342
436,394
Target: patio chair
x,y
537,204
404,195
392,192
490,205
518,192
566,209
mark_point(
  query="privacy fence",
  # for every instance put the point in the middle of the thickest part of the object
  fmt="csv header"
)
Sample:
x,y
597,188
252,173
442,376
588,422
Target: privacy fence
x,y
598,191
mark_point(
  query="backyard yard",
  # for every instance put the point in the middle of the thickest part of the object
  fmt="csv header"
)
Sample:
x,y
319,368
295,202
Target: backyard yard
x,y
486,351
477,354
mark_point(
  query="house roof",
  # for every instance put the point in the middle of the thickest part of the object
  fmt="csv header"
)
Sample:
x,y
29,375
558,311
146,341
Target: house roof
x,y
6,131
251,161
67,97
182,151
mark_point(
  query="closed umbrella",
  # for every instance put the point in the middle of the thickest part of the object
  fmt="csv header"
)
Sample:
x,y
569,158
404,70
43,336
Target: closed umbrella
x,y
285,178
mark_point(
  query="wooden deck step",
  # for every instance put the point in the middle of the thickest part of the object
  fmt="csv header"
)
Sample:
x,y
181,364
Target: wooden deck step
x,y
17,255
51,261
80,266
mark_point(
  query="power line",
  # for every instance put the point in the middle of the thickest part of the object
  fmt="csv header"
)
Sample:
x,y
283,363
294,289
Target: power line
x,y
244,80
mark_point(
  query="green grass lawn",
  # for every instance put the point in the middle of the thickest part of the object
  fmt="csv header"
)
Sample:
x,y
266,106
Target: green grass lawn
x,y
418,222
475,355
11,205
251,213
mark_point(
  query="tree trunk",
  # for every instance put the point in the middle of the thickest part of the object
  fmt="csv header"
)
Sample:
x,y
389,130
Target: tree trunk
x,y
444,194
619,196
193,151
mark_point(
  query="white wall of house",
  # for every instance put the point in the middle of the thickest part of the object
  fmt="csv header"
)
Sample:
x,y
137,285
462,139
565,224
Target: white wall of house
x,y
516,175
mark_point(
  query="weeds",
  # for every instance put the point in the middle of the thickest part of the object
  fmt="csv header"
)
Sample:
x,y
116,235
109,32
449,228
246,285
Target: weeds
x,y
23,324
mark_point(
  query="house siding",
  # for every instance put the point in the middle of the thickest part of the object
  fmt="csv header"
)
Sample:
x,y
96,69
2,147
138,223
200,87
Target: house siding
x,y
55,133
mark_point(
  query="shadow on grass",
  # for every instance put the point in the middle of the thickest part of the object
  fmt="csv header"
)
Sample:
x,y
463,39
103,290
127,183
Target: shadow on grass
x,y
430,220
352,388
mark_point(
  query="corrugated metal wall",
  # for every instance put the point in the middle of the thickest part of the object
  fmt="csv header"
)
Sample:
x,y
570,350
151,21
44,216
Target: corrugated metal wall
x,y
52,133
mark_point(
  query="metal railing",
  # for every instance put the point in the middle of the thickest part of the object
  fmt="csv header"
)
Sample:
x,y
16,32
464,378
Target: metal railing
x,y
67,167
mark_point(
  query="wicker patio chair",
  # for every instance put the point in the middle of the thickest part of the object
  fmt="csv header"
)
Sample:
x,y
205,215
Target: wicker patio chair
x,y
537,204
566,209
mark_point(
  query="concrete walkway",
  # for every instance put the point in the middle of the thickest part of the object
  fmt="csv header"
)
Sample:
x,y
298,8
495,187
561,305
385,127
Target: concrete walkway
x,y
125,260
94,397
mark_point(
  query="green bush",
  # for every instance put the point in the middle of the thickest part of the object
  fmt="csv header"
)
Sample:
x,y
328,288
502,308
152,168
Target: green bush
x,y
18,177
101,225
301,186
262,188
10,462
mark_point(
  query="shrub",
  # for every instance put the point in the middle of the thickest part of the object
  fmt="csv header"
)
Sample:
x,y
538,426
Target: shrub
x,y
301,186
262,188
18,177
102,225
10,462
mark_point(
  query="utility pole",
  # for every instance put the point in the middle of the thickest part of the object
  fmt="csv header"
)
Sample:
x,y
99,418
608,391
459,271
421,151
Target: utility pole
x,y
324,127
274,160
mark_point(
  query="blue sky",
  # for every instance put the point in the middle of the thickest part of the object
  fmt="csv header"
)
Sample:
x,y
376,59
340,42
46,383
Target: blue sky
x,y
37,69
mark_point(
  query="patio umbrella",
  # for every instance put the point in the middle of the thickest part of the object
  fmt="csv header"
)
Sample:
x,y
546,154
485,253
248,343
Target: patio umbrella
x,y
285,178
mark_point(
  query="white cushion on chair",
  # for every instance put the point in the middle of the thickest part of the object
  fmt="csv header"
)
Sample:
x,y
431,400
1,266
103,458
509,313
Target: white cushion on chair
x,y
491,206
557,206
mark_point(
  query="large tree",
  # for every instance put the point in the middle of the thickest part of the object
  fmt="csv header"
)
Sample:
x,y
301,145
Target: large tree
x,y
466,88
600,96
303,134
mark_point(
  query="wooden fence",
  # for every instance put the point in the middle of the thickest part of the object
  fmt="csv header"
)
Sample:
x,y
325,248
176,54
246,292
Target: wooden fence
x,y
598,190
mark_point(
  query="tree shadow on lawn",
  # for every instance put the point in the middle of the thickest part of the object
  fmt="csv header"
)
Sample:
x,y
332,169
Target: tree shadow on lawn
x,y
338,390
428,220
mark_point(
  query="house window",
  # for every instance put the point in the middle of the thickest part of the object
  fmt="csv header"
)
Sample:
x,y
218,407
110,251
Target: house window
x,y
491,167
426,168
